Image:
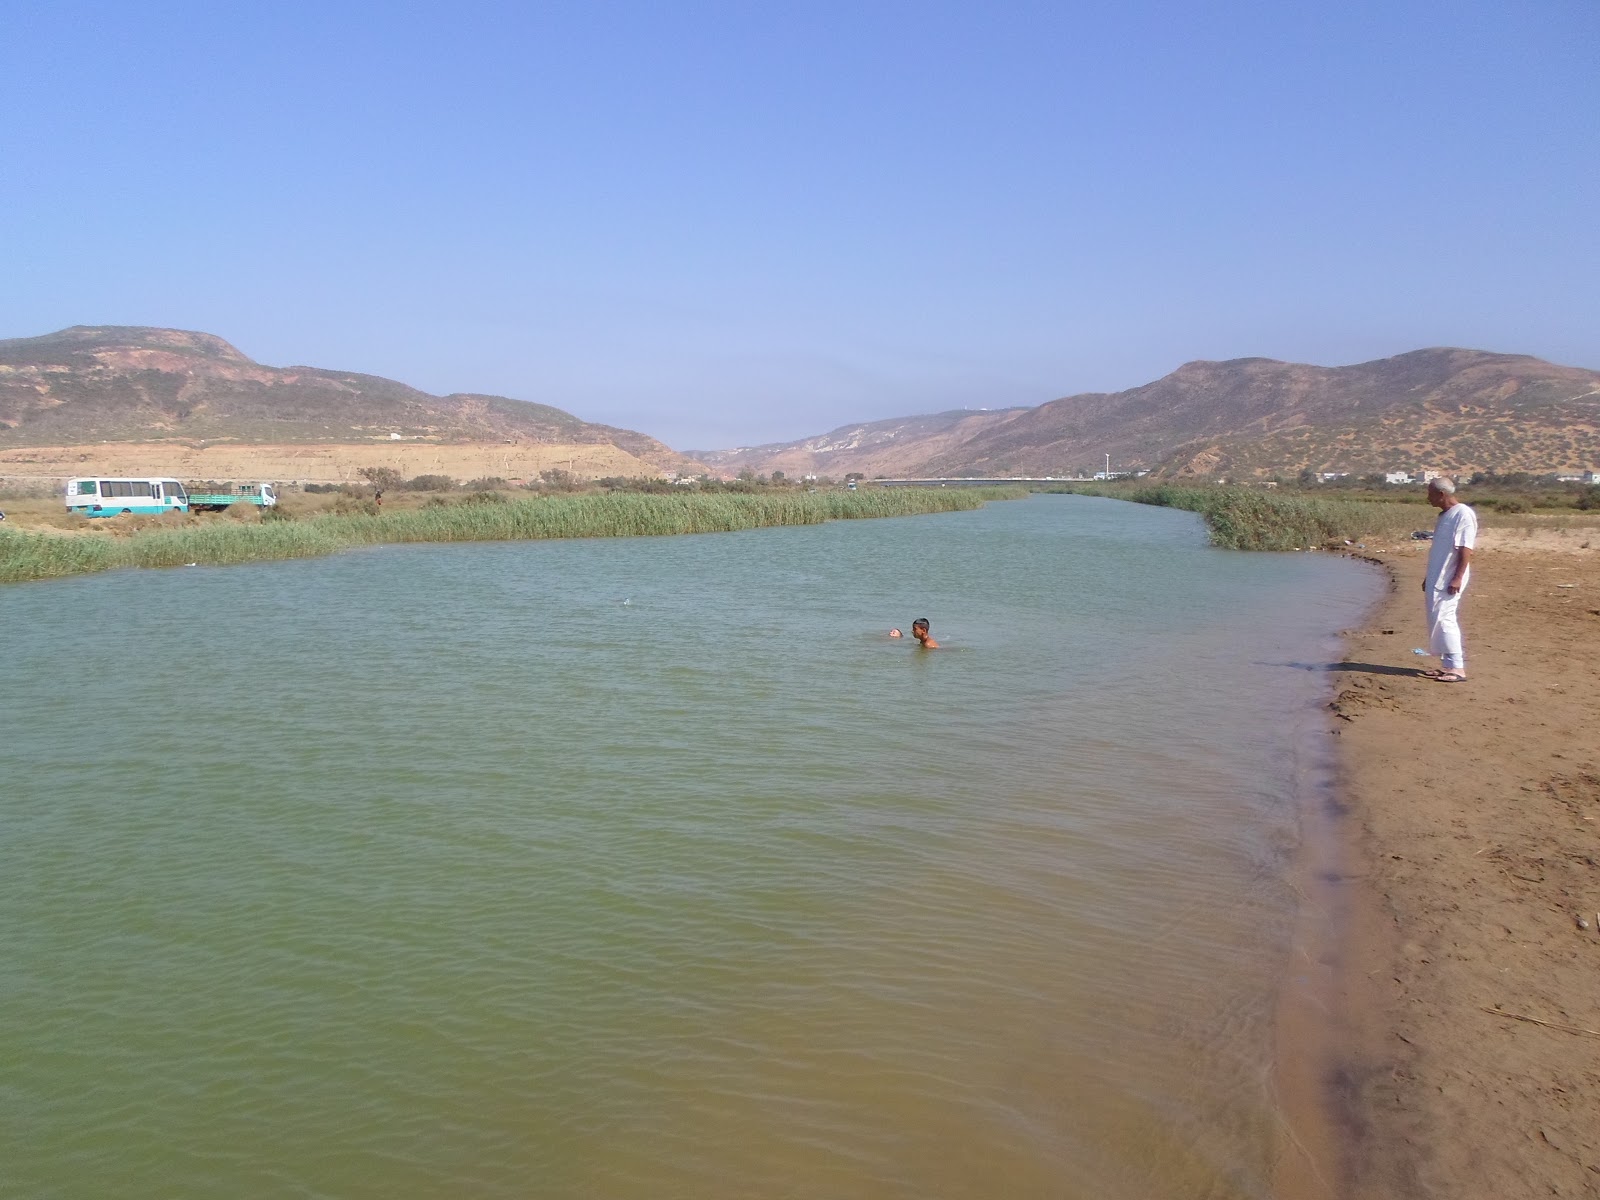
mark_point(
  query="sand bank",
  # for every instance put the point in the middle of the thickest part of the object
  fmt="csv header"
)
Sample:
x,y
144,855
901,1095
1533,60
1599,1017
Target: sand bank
x,y
1474,853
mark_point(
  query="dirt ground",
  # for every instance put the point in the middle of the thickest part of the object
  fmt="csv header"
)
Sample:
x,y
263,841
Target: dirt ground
x,y
319,462
1470,986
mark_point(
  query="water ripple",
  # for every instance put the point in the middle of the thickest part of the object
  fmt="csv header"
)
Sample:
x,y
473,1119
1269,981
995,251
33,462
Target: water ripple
x,y
474,882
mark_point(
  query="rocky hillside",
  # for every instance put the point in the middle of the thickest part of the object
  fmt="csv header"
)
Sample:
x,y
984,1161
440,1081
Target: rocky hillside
x,y
1455,410
134,384
876,448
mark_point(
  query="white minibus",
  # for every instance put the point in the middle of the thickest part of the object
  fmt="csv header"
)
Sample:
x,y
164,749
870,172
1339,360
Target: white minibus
x,y
113,497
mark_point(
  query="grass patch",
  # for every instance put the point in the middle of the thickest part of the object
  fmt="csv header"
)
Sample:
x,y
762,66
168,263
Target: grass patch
x,y
1242,518
29,555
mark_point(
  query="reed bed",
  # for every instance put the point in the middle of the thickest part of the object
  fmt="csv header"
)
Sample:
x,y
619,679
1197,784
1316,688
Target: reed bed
x,y
28,555
1241,518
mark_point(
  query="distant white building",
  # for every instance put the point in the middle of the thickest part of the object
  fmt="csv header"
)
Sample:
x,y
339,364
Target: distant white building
x,y
1397,477
1330,476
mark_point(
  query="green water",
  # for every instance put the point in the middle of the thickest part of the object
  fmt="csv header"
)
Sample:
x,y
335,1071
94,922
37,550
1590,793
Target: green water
x,y
652,868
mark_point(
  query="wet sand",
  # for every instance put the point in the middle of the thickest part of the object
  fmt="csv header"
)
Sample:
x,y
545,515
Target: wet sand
x,y
1473,852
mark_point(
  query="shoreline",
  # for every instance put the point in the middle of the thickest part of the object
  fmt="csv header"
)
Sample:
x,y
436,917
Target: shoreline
x,y
181,539
1466,845
1309,1159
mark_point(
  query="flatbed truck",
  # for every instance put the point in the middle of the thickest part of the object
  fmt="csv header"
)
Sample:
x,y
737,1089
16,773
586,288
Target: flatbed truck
x,y
264,495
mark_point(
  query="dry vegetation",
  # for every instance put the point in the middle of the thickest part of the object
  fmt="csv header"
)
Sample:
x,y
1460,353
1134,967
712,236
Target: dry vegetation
x,y
332,462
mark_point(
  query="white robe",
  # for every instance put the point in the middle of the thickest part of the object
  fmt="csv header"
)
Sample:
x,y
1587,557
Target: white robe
x,y
1456,528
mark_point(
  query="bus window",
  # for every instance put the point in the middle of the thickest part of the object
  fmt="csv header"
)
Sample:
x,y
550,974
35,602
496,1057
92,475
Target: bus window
x,y
126,487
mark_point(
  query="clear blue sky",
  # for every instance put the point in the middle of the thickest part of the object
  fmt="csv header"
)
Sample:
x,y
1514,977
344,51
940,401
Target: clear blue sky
x,y
728,223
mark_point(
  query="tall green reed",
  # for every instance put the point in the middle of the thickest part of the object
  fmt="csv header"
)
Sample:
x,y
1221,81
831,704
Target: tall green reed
x,y
26,555
1242,518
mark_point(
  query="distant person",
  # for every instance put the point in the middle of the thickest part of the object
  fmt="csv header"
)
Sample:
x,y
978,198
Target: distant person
x,y
377,497
1449,567
919,630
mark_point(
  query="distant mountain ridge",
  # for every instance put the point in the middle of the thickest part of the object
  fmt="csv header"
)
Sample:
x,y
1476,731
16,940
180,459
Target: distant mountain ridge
x,y
1444,408
137,384
871,443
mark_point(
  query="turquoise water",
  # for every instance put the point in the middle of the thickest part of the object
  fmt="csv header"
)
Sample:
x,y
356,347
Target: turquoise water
x,y
652,868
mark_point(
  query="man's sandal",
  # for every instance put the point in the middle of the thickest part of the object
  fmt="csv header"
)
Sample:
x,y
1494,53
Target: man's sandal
x,y
1449,677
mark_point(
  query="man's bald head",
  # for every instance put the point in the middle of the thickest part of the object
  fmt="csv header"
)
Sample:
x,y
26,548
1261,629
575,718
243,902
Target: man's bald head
x,y
1442,484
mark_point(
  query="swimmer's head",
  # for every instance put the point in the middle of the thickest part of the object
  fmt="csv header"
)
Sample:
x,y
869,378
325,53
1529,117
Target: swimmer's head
x,y
920,623
895,633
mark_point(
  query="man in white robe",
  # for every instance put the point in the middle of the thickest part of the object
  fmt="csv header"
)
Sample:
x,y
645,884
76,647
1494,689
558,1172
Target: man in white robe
x,y
1455,534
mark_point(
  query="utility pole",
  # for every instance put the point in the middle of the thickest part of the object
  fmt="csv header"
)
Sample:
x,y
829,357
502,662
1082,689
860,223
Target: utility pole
x,y
1108,468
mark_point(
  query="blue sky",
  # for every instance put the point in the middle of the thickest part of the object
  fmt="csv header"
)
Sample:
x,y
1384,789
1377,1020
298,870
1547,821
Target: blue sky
x,y
730,223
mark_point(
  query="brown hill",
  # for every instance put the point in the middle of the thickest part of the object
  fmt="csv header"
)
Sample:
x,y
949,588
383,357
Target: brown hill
x,y
134,384
892,447
1456,410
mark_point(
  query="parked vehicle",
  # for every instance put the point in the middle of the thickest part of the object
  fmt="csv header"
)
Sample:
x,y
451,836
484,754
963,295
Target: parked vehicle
x,y
113,497
262,494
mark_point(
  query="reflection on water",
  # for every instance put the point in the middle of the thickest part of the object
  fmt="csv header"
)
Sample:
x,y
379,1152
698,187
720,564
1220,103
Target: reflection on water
x,y
443,871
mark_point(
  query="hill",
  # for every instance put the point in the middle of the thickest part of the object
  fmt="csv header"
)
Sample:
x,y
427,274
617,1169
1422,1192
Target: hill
x,y
131,384
1449,409
891,447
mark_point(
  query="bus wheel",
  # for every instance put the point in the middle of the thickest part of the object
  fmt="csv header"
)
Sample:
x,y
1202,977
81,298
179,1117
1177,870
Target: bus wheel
x,y
127,512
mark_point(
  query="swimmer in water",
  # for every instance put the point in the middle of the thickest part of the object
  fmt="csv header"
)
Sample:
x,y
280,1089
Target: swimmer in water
x,y
919,630
895,633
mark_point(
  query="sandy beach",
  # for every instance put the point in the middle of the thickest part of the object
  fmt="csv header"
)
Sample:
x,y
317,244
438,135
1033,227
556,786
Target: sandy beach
x,y
1467,1042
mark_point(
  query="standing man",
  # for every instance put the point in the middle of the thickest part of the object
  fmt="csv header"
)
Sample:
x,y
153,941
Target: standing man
x,y
1449,566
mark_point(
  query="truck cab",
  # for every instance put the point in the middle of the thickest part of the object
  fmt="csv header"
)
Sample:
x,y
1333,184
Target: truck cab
x,y
267,493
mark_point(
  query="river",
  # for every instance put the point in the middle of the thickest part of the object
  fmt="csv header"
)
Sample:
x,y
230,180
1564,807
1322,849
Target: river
x,y
652,868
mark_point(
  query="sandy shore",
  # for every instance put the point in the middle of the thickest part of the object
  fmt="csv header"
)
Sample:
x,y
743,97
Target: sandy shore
x,y
1474,853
